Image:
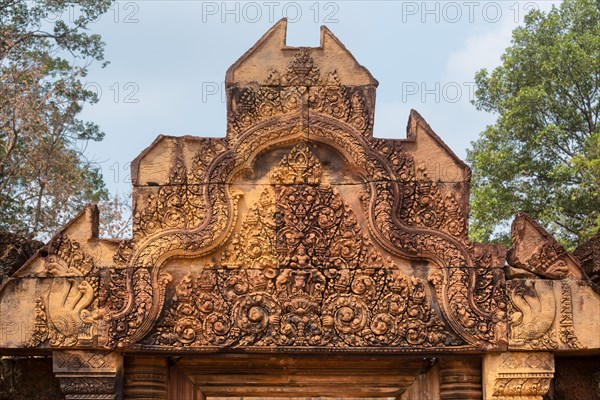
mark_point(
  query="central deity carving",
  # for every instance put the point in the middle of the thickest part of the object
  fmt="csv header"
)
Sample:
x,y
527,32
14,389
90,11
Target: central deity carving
x,y
343,241
300,272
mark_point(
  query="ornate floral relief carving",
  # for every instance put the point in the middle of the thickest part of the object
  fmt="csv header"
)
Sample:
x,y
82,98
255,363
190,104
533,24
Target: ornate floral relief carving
x,y
76,387
282,130
254,245
351,143
251,106
530,388
173,207
291,307
298,167
345,104
126,325
385,208
408,214
67,258
145,280
321,283
534,250
588,254
287,93
302,71
424,203
458,286
212,148
547,260
471,298
181,202
79,361
303,267
87,375
523,376
474,302
66,316
432,208
566,327
401,187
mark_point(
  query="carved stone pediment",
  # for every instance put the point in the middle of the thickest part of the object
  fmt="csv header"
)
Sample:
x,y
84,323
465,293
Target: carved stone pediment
x,y
536,251
541,284
306,250
299,231
300,271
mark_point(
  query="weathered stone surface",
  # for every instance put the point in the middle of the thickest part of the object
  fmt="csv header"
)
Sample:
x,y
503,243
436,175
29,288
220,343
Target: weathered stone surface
x,y
536,251
559,312
552,315
297,376
517,375
302,230
146,378
425,386
14,251
89,375
28,378
299,232
576,378
52,300
460,378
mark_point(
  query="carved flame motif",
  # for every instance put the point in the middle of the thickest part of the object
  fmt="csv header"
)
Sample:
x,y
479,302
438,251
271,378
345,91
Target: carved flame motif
x,y
347,243
298,167
406,213
321,282
286,92
302,71
180,204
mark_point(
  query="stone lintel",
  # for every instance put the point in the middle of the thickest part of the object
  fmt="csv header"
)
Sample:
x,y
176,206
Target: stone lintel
x,y
89,374
517,375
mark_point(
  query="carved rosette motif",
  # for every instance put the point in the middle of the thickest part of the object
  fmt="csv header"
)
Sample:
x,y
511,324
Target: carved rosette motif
x,y
300,232
67,314
406,213
319,283
472,298
302,87
146,285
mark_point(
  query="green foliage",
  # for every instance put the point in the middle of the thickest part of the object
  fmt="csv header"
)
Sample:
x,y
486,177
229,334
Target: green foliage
x,y
542,155
44,177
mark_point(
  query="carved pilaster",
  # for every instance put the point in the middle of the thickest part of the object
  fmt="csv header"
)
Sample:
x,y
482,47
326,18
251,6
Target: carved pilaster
x,y
460,379
89,375
517,375
145,378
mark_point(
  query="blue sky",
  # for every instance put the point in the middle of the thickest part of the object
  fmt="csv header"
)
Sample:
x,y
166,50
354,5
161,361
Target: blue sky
x,y
168,61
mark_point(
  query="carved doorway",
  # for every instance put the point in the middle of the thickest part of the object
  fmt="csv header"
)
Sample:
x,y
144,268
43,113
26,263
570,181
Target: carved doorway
x,y
253,377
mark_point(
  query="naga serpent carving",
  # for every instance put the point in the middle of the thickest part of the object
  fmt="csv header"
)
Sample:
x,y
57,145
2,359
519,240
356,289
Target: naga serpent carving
x,y
66,316
408,216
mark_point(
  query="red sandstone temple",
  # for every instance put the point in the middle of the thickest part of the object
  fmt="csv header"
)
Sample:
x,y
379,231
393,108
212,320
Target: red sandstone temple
x,y
299,256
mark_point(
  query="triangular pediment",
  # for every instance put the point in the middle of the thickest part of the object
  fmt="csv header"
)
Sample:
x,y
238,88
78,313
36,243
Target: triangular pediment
x,y
299,231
